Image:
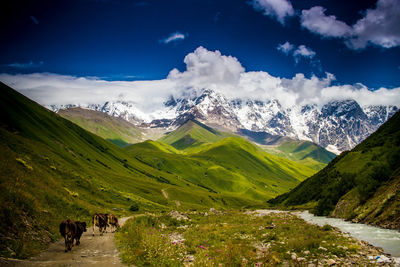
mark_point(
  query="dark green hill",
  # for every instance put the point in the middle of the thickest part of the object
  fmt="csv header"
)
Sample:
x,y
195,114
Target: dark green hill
x,y
351,184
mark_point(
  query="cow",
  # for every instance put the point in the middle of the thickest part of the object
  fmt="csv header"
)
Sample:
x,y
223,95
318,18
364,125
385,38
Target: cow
x,y
68,230
100,220
112,220
80,228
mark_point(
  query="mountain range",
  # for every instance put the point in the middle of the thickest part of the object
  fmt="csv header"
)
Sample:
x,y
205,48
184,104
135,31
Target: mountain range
x,y
336,126
52,169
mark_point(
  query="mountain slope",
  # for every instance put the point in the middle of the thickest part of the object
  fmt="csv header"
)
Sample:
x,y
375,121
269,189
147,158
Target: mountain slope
x,y
114,129
232,167
351,185
193,134
304,152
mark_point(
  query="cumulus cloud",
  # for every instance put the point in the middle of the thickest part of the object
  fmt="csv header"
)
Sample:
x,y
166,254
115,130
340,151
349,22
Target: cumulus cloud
x,y
298,53
278,9
173,37
379,26
316,21
205,69
210,69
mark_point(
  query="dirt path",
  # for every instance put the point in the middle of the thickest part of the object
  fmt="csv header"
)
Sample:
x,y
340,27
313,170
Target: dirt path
x,y
93,251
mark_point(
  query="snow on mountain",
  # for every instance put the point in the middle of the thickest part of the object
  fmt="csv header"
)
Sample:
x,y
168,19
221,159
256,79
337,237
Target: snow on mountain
x,y
336,126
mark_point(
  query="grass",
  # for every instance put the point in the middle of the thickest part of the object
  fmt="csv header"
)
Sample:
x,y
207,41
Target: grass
x,y
231,167
228,238
116,130
193,134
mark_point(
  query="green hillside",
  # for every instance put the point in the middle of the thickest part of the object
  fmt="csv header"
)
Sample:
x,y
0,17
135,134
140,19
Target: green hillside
x,y
116,130
305,152
193,134
232,166
362,184
51,169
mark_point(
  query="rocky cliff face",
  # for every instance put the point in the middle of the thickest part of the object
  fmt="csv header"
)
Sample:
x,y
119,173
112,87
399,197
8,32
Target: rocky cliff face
x,y
336,126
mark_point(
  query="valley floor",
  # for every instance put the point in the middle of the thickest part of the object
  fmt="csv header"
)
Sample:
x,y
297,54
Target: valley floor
x,y
237,238
214,238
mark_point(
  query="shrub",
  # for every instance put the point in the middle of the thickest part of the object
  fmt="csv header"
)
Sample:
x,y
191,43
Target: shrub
x,y
134,207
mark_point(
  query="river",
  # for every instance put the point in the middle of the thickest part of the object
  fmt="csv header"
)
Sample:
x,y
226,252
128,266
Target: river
x,y
387,239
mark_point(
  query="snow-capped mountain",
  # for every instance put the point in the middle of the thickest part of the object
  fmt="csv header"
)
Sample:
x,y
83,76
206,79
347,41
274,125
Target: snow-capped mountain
x,y
336,126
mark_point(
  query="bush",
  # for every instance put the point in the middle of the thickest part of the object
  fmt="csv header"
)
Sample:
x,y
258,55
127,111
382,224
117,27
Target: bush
x,y
134,207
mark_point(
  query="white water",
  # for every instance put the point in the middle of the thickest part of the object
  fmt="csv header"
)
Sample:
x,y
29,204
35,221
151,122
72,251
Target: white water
x,y
387,239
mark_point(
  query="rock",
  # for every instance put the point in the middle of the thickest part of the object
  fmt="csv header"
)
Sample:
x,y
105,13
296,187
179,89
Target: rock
x,y
177,215
300,259
306,252
383,259
293,256
331,262
322,248
189,258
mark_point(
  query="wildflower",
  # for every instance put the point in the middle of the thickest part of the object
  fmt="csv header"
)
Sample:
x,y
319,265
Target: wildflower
x,y
203,247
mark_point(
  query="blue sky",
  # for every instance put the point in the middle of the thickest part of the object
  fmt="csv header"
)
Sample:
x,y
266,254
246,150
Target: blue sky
x,y
145,40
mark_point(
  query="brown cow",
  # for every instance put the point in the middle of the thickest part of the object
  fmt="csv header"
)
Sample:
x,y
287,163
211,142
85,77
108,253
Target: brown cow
x,y
100,220
68,230
80,228
112,220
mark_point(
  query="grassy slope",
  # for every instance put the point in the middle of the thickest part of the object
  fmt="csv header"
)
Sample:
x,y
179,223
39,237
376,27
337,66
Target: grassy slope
x,y
231,166
116,130
304,152
353,182
193,134
51,169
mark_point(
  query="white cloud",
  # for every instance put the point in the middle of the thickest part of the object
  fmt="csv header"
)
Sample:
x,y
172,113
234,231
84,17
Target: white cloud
x,y
173,37
285,48
316,21
208,69
303,51
298,53
379,26
204,69
279,9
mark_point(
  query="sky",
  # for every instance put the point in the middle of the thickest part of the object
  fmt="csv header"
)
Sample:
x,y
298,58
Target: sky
x,y
267,48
